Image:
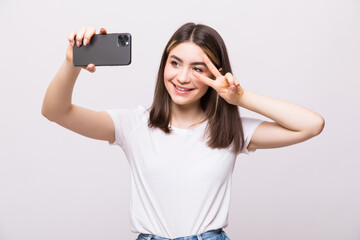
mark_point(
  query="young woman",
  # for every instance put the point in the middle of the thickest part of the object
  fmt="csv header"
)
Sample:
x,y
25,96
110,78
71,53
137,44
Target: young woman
x,y
183,149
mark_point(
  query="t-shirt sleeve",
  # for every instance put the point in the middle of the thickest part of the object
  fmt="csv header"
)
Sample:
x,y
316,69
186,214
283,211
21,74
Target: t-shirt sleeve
x,y
125,121
249,126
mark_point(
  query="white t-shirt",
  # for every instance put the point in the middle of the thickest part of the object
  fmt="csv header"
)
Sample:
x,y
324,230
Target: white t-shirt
x,y
179,185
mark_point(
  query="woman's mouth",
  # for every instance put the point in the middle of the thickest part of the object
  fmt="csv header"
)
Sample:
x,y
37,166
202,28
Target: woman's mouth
x,y
182,90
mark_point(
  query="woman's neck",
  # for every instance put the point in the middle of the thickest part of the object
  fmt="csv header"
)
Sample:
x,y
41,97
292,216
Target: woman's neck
x,y
186,116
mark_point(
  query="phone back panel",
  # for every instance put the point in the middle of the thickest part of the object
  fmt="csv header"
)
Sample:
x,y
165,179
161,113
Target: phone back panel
x,y
104,50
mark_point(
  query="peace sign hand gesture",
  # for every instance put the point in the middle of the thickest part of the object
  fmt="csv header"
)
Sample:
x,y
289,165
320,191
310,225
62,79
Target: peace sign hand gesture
x,y
227,86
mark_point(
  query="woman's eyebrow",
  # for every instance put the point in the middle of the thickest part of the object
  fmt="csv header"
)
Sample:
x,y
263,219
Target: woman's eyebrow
x,y
193,63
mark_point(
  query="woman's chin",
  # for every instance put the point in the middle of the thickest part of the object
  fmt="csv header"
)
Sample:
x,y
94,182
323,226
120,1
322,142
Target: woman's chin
x,y
185,103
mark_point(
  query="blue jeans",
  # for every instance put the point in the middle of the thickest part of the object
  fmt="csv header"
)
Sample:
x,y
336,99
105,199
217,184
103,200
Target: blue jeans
x,y
218,234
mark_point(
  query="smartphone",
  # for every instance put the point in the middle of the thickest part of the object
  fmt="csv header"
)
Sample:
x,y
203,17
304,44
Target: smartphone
x,y
112,49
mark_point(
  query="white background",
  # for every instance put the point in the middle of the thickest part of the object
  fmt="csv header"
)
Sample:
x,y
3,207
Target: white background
x,y
55,184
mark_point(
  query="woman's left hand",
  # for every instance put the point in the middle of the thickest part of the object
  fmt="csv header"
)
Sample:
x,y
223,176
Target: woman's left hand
x,y
227,86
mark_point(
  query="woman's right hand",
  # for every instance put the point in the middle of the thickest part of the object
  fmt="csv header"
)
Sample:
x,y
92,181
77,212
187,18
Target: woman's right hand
x,y
83,36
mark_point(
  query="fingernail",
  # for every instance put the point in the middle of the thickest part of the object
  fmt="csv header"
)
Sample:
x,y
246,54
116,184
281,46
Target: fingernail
x,y
78,43
85,41
72,43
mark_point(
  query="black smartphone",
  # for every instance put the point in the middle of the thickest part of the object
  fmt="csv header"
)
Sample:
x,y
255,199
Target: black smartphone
x,y
112,49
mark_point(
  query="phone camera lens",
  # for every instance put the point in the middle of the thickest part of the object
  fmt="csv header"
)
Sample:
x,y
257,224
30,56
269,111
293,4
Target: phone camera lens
x,y
123,40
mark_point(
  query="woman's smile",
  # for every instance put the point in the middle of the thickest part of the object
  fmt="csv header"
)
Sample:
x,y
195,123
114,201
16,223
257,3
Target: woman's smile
x,y
182,90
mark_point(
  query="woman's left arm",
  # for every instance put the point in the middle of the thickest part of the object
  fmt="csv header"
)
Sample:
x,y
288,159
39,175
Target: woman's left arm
x,y
292,123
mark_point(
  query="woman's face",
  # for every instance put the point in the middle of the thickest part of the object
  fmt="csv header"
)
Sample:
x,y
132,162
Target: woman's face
x,y
183,88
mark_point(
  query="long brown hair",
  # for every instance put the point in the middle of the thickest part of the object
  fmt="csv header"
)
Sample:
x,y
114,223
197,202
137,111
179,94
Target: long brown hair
x,y
224,123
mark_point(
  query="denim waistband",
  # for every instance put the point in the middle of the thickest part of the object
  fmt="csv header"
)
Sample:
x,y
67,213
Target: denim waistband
x,y
203,236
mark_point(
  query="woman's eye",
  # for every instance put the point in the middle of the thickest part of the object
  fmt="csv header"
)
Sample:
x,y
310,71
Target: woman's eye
x,y
198,69
174,63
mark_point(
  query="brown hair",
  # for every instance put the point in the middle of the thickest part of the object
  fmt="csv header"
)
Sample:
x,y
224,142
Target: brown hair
x,y
224,122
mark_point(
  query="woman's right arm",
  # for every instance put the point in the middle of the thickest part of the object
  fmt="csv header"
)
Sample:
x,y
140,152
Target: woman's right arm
x,y
57,105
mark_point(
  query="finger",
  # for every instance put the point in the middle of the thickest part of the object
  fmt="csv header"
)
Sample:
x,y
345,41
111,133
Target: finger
x,y
80,36
88,35
232,89
91,67
71,38
211,66
237,83
230,79
204,79
239,89
102,31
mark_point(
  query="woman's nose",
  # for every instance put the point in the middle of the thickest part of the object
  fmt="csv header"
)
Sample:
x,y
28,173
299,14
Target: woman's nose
x,y
184,76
